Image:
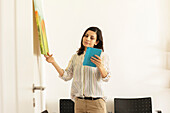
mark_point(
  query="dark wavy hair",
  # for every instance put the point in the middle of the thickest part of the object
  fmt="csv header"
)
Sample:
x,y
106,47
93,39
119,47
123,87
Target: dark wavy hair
x,y
99,38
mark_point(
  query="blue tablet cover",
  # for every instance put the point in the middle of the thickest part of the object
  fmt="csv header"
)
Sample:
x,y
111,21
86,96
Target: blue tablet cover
x,y
89,53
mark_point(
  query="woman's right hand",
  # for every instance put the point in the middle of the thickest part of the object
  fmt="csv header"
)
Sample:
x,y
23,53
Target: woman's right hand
x,y
49,58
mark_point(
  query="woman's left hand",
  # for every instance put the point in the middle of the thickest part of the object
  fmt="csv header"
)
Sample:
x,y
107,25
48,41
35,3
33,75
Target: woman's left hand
x,y
97,61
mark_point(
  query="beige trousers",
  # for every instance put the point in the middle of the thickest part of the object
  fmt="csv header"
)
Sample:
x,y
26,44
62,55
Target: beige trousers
x,y
90,106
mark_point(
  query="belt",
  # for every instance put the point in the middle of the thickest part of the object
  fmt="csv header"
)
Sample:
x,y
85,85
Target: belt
x,y
89,98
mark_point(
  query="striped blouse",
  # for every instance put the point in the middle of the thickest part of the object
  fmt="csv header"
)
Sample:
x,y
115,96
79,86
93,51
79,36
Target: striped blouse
x,y
87,81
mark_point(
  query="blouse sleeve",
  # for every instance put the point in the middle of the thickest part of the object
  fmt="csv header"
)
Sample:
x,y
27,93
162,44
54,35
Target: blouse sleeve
x,y
105,60
68,72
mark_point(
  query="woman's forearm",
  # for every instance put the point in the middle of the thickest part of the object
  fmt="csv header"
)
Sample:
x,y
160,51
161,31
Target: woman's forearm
x,y
103,72
57,67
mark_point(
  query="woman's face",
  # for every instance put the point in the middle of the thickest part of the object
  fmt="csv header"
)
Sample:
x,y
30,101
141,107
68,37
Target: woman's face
x,y
89,39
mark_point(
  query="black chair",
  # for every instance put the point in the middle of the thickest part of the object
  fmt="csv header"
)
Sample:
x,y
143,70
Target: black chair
x,y
66,106
133,105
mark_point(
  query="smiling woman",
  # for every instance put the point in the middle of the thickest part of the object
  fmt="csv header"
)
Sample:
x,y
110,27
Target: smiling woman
x,y
89,39
86,90
92,37
134,35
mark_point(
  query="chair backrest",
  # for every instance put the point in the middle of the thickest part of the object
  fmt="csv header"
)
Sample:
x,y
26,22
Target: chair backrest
x,y
45,111
133,105
66,106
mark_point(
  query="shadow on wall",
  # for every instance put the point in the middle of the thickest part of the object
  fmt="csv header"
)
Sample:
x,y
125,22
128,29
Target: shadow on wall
x,y
109,105
168,54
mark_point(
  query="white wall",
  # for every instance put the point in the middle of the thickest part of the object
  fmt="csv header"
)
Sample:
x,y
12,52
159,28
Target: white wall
x,y
136,34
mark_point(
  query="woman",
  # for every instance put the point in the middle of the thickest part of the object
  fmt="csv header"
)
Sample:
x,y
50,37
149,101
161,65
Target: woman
x,y
86,90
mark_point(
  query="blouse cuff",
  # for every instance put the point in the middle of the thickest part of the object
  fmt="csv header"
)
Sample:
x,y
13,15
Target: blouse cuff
x,y
64,75
106,78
